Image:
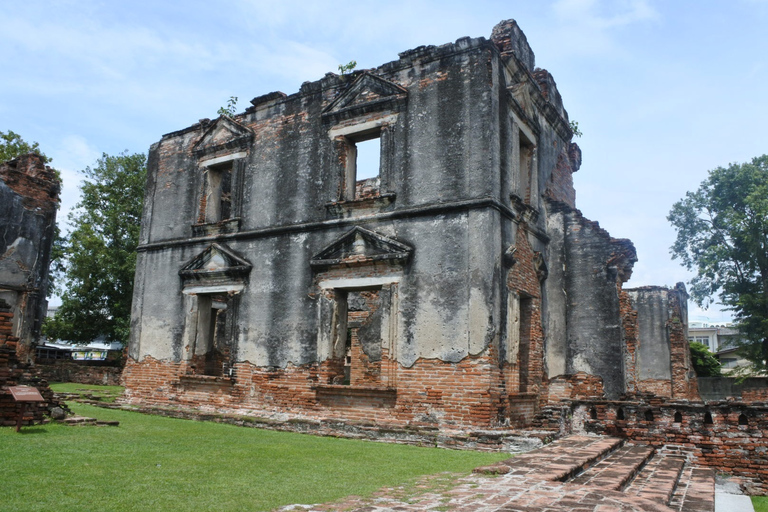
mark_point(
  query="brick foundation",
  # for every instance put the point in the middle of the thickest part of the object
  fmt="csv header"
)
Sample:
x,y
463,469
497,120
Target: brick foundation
x,y
431,392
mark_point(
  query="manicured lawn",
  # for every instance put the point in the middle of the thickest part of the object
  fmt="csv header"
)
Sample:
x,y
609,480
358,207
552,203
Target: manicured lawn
x,y
760,503
158,463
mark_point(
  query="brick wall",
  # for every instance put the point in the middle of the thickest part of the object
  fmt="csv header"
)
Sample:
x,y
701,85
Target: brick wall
x,y
560,184
523,280
83,374
578,385
15,373
431,392
731,437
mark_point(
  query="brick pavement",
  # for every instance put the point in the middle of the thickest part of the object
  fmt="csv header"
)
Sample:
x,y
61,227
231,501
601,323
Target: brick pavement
x,y
532,482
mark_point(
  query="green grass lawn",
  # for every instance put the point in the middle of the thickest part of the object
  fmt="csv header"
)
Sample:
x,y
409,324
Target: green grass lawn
x,y
74,387
158,463
760,503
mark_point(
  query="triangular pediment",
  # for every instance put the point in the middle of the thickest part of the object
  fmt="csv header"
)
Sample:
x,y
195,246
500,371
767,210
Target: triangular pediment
x,y
222,135
361,246
367,93
217,264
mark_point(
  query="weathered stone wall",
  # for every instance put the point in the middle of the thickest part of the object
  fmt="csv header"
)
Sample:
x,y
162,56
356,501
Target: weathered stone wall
x,y
29,195
591,265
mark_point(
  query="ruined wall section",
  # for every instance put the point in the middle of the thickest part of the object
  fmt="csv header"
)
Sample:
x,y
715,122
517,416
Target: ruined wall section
x,y
441,157
440,174
663,362
455,123
29,198
14,372
588,269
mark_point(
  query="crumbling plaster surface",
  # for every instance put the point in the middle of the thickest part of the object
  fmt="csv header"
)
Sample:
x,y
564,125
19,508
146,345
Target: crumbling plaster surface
x,y
444,310
653,355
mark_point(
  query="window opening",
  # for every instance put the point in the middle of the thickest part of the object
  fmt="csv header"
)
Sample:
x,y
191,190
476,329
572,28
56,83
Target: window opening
x,y
678,417
593,413
526,311
363,165
358,331
648,415
211,346
708,418
743,419
217,198
704,340
620,414
526,168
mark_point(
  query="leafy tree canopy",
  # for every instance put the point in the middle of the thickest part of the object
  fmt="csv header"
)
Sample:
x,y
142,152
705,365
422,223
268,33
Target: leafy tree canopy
x,y
722,234
97,258
12,145
704,362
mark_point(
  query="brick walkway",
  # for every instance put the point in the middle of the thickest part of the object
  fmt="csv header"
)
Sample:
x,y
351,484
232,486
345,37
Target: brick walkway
x,y
596,471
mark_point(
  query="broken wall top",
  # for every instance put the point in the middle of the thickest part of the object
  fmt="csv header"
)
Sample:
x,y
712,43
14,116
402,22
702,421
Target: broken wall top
x,y
37,183
506,38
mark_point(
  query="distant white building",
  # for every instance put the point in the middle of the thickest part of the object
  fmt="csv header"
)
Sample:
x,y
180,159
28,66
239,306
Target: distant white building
x,y
714,337
720,340
96,350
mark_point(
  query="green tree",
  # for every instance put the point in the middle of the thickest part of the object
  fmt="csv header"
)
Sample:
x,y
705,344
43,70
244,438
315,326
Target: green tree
x,y
12,145
704,362
98,257
722,234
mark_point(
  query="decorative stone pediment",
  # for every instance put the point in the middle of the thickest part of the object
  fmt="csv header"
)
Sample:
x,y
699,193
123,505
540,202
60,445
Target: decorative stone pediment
x,y
361,246
225,135
368,93
217,268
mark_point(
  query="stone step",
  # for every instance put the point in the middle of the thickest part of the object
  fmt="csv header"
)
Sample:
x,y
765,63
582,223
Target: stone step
x,y
616,470
658,480
564,458
695,490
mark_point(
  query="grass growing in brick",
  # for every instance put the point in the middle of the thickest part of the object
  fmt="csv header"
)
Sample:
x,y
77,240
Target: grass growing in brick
x,y
159,463
74,387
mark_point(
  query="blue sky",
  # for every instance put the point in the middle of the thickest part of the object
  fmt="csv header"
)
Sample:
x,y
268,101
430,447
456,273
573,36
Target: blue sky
x,y
662,90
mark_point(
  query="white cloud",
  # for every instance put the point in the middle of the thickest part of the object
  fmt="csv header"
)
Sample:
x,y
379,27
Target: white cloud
x,y
72,154
591,27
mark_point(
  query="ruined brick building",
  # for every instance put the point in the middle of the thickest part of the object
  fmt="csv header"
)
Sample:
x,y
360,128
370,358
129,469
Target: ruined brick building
x,y
29,198
452,283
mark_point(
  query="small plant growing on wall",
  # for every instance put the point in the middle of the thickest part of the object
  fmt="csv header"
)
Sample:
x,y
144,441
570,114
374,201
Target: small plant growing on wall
x,y
345,69
230,109
575,129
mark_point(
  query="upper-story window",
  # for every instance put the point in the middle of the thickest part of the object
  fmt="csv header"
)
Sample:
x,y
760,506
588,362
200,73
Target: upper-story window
x,y
217,203
221,153
361,122
363,169
527,175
